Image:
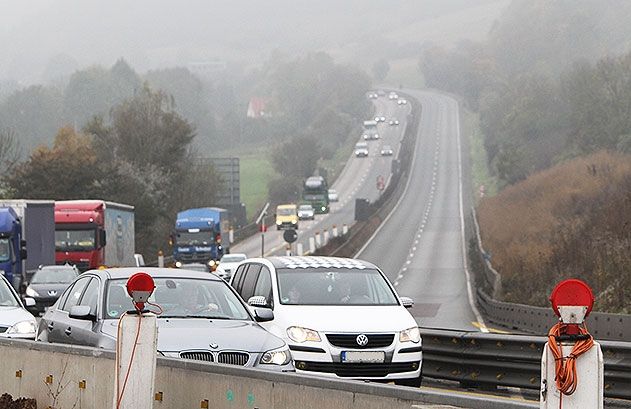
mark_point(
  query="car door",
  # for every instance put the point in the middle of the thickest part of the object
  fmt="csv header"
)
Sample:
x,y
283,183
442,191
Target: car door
x,y
82,330
57,320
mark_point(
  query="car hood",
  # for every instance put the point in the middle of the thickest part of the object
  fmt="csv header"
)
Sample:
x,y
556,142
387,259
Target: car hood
x,y
13,315
179,334
347,318
43,289
228,265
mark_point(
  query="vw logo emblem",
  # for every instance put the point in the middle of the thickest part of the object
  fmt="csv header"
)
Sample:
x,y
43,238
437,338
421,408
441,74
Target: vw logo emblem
x,y
214,346
52,292
362,340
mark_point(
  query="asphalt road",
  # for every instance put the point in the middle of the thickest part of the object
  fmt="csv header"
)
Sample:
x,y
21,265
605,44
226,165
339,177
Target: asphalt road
x,y
421,245
358,179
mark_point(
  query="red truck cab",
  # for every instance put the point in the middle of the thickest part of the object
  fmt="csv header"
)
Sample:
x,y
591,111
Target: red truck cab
x,y
81,230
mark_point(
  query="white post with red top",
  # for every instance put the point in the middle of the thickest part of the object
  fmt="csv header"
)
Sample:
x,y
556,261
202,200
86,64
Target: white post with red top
x,y
572,369
136,349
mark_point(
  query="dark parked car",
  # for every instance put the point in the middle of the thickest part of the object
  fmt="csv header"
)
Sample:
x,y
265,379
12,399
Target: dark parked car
x,y
48,283
203,318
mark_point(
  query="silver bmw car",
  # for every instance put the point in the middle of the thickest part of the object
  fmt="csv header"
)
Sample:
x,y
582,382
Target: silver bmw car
x,y
202,318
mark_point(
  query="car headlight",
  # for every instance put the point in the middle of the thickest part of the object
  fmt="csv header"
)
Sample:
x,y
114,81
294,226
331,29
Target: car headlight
x,y
279,222
31,293
212,263
23,328
300,335
294,221
323,208
280,356
178,264
411,334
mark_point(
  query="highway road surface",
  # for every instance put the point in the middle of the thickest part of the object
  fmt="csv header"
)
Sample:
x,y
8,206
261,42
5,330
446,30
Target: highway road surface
x,y
421,245
358,179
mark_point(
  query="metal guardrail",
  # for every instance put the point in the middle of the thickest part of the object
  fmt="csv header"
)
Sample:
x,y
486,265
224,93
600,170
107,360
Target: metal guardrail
x,y
483,359
528,318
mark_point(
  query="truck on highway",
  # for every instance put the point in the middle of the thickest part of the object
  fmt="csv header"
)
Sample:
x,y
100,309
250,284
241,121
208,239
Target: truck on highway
x,y
287,217
94,233
199,234
27,237
316,193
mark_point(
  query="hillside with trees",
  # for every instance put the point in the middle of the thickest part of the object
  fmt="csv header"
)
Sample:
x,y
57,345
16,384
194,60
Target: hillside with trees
x,y
552,90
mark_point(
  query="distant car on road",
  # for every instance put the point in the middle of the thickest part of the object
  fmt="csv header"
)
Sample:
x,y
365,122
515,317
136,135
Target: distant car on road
x,y
373,95
370,136
394,122
203,319
48,283
361,149
194,267
380,119
228,263
386,150
381,93
306,212
402,101
333,197
393,95
286,217
340,317
15,320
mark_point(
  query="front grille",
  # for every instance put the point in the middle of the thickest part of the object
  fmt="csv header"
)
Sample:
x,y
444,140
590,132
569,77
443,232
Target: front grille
x,y
233,358
3,329
194,257
350,340
358,370
198,356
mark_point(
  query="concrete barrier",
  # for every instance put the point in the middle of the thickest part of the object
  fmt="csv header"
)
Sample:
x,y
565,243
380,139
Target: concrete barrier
x,y
81,377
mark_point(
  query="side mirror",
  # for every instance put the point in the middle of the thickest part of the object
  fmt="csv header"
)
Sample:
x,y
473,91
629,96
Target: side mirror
x,y
407,302
81,312
258,301
29,302
263,314
103,237
23,254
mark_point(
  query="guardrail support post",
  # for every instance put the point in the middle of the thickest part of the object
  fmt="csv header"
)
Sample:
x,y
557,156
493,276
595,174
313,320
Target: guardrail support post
x,y
318,240
231,235
344,229
160,259
335,231
299,250
325,238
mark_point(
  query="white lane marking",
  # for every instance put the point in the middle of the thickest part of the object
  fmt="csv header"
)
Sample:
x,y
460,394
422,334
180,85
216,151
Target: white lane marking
x,y
464,249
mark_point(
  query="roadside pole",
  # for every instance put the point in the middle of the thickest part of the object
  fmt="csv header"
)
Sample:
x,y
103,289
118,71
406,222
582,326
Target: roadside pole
x,y
261,221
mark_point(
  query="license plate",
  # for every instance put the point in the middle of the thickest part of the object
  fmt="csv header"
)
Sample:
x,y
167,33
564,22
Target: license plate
x,y
363,356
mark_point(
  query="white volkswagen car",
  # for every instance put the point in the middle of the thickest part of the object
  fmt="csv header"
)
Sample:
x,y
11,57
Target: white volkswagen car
x,y
340,317
15,320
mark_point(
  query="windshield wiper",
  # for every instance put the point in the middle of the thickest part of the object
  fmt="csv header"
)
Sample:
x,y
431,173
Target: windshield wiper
x,y
210,317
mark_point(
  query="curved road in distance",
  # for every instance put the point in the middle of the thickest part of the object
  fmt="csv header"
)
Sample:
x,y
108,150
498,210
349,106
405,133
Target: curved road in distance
x,y
358,179
420,246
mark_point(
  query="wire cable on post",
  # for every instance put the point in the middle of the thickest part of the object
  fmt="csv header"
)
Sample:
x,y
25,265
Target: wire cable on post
x,y
566,378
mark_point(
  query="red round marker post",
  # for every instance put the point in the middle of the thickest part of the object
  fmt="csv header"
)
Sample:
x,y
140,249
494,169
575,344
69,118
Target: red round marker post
x,y
140,286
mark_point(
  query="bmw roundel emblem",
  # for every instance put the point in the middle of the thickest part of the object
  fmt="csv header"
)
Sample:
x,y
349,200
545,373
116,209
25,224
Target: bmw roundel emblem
x,y
214,346
362,340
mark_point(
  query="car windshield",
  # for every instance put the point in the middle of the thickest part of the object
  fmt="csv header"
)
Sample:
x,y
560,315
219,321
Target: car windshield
x,y
5,250
306,207
286,211
54,276
181,298
199,238
322,286
232,258
386,148
75,240
7,299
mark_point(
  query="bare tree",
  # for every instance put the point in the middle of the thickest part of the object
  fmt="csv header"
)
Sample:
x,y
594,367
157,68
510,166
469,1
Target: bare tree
x,y
10,150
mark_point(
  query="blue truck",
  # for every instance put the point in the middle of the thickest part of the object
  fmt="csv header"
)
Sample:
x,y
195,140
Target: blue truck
x,y
201,236
27,238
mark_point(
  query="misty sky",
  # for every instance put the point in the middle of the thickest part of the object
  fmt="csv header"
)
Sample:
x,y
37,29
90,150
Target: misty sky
x,y
70,34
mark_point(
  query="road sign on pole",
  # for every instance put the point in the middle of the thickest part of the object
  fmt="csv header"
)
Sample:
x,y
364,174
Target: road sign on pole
x,y
290,236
